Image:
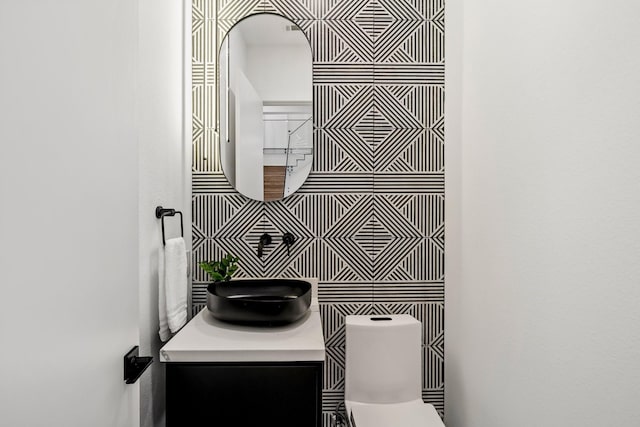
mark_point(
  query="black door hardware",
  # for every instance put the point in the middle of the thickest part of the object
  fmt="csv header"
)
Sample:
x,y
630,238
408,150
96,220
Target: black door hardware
x,y
135,365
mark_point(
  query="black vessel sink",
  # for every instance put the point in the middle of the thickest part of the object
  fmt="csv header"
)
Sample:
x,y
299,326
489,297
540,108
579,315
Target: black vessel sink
x,y
259,301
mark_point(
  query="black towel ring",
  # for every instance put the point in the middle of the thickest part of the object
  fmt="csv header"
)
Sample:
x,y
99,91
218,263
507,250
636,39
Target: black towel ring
x,y
161,213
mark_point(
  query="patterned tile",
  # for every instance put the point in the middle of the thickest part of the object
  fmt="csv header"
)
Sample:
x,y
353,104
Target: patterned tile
x,y
433,360
337,42
333,320
409,9
355,222
205,150
213,249
197,308
228,12
333,381
396,291
409,42
342,106
284,220
317,213
411,215
430,314
344,150
360,11
356,40
435,10
356,263
369,220
331,399
334,369
409,106
396,182
295,10
409,259
301,260
198,43
347,10
210,8
388,73
296,262
212,213
198,9
210,182
434,397
347,291
408,150
358,183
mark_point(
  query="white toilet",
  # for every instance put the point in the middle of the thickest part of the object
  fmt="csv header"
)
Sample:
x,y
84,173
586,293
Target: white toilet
x,y
383,373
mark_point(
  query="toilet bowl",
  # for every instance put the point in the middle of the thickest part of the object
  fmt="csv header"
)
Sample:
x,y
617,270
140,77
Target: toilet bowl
x,y
384,373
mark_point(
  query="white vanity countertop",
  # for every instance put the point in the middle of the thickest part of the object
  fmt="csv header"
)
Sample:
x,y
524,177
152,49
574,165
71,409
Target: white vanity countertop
x,y
206,339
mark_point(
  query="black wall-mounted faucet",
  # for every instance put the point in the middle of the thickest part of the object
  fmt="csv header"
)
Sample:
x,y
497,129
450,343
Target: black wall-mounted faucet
x,y
265,240
288,239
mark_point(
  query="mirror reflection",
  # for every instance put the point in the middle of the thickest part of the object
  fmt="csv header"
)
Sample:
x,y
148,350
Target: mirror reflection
x,y
265,111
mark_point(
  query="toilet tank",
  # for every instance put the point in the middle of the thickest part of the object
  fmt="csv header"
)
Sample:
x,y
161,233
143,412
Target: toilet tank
x,y
384,361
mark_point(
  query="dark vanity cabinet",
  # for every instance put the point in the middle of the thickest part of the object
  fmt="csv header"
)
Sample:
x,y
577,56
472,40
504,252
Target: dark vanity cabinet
x,y
244,394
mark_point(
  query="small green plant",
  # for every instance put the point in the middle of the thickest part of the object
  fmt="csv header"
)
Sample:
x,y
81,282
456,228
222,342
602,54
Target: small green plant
x,y
221,270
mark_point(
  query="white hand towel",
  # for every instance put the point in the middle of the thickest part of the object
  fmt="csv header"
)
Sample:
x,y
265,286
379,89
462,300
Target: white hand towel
x,y
164,332
172,292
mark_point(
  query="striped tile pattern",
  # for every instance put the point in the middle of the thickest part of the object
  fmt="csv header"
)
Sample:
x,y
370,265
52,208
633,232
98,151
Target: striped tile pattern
x,y
370,218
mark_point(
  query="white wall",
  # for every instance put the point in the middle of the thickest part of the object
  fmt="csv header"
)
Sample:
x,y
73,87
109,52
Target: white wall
x,y
237,55
250,139
543,214
68,212
281,73
227,140
239,172
164,170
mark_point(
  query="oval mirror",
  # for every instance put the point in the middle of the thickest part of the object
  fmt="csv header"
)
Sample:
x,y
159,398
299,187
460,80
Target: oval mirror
x,y
265,111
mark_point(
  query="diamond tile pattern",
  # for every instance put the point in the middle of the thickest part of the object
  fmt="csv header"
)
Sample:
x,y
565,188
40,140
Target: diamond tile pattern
x,y
369,220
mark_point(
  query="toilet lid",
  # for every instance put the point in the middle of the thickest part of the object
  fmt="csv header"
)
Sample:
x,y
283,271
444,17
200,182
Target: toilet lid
x,y
409,414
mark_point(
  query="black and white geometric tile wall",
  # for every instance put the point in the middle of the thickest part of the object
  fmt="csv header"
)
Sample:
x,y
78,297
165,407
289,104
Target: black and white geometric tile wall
x,y
370,217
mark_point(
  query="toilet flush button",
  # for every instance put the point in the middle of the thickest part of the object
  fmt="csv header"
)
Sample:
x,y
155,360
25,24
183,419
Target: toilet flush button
x,y
379,319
